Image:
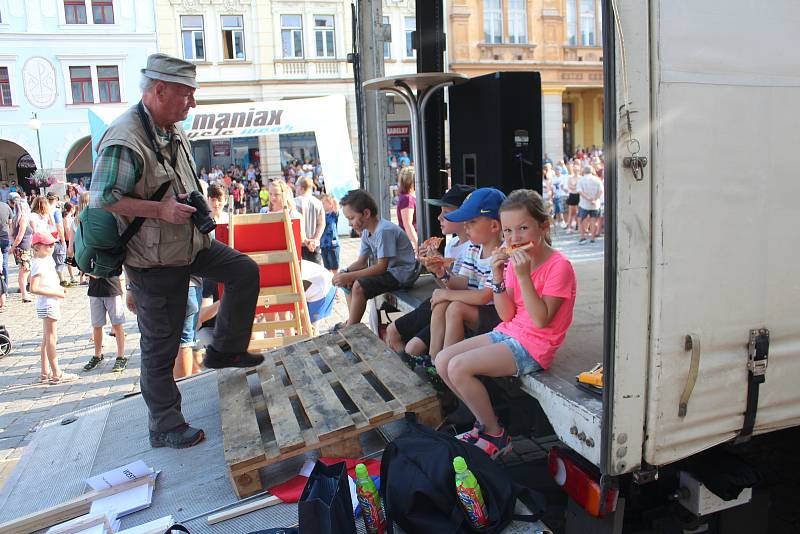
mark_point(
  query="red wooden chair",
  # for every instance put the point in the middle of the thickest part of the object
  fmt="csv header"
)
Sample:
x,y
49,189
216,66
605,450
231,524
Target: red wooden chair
x,y
273,241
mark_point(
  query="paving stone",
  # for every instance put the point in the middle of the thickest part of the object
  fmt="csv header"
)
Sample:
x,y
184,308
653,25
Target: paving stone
x,y
25,403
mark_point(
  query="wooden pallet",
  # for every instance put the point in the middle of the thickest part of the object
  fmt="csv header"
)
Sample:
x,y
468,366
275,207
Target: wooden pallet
x,y
322,393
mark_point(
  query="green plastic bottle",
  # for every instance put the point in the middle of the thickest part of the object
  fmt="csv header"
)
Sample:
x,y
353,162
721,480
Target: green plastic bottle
x,y
370,500
469,493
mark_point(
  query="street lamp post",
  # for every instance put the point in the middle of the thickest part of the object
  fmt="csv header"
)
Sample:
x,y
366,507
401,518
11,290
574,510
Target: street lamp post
x,y
35,124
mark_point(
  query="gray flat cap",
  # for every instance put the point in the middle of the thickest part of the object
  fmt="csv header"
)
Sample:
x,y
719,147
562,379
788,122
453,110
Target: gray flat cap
x,y
170,69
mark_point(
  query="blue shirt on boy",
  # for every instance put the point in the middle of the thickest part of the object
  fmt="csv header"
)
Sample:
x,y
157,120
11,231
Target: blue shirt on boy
x,y
390,241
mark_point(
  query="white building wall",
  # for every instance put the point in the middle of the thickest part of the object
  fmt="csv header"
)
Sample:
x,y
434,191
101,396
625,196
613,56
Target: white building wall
x,y
38,46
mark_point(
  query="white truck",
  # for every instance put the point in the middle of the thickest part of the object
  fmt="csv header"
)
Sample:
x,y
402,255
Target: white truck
x,y
695,312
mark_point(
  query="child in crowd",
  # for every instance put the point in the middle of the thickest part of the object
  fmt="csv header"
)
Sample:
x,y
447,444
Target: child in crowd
x,y
320,291
534,293
329,243
386,260
105,298
68,214
45,284
411,333
465,301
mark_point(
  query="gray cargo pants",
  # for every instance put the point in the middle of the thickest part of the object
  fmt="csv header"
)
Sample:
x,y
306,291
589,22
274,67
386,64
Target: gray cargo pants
x,y
160,294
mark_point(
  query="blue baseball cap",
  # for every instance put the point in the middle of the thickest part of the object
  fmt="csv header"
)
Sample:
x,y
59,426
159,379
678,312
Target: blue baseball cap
x,y
483,202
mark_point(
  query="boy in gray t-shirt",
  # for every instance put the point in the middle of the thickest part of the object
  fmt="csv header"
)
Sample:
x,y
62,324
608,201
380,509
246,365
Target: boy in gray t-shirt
x,y
386,260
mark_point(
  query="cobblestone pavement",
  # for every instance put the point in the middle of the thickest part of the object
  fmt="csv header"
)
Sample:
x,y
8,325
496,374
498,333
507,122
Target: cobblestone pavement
x,y
24,402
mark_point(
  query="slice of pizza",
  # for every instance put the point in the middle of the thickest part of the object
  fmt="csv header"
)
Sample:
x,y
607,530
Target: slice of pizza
x,y
508,249
430,246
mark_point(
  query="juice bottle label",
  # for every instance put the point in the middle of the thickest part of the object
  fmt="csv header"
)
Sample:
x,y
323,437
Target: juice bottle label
x,y
473,505
374,519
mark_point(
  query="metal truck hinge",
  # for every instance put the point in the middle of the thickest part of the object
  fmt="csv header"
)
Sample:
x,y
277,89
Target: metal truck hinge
x,y
636,164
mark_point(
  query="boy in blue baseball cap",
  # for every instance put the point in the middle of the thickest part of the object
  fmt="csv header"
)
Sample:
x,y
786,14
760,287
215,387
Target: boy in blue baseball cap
x,y
464,307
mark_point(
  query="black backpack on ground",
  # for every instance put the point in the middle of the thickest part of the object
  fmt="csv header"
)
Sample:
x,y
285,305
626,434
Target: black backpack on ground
x,y
418,484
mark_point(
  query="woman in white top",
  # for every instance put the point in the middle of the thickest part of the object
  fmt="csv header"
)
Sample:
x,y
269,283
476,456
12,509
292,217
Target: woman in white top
x,y
281,198
42,220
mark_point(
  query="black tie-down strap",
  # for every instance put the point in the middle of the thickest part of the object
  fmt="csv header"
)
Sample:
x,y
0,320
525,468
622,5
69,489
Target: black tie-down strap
x,y
758,352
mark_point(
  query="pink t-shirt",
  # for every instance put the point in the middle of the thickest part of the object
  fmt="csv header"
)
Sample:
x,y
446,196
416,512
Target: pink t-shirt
x,y
555,278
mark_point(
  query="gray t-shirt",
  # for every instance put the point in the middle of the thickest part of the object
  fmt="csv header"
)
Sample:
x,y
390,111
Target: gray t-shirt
x,y
390,241
5,215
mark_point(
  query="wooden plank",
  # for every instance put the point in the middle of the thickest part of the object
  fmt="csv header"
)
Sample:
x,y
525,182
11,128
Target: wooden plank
x,y
271,257
271,326
272,342
259,218
343,448
352,379
79,524
246,484
399,380
258,504
272,300
65,511
240,433
284,422
323,408
275,290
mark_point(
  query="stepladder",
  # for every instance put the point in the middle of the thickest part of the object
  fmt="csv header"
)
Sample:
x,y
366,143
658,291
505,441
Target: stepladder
x,y
272,240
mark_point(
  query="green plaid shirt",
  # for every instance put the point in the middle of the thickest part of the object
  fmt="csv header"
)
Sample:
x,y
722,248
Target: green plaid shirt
x,y
115,173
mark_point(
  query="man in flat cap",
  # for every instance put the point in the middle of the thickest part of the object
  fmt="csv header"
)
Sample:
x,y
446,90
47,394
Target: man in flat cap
x,y
144,166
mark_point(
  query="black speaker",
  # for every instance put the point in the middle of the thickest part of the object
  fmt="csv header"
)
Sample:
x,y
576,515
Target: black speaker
x,y
496,131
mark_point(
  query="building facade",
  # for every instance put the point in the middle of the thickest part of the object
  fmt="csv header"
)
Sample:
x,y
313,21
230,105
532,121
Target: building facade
x,y
254,51
57,59
561,39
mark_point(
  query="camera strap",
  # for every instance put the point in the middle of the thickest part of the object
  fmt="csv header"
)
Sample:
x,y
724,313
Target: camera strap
x,y
137,223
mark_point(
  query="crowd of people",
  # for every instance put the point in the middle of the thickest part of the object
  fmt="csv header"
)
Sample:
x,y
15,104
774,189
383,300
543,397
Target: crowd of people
x,y
248,191
574,193
37,231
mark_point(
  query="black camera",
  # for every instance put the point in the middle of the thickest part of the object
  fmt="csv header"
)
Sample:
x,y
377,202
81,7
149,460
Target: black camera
x,y
202,216
70,260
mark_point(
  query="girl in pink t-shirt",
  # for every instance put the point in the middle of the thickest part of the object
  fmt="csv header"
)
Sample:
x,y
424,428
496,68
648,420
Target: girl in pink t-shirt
x,y
534,294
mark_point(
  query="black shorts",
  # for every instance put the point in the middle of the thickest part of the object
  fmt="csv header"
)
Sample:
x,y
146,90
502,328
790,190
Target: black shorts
x,y
416,323
378,284
573,199
487,320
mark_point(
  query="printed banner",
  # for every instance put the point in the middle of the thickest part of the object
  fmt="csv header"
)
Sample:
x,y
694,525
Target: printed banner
x,y
325,116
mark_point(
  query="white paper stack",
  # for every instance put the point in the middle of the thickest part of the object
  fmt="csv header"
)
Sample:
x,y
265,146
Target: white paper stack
x,y
128,501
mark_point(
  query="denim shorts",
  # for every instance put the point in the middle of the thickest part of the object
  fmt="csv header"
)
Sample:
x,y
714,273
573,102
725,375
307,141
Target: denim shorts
x,y
330,257
526,364
189,333
592,214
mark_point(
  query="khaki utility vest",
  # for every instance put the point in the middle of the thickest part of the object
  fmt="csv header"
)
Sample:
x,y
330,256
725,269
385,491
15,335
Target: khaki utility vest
x,y
157,243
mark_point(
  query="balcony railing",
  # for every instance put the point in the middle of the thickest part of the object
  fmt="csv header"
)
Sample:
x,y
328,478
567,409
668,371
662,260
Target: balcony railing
x,y
310,69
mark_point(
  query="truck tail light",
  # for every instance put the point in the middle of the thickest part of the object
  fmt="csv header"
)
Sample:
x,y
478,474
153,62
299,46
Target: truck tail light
x,y
581,482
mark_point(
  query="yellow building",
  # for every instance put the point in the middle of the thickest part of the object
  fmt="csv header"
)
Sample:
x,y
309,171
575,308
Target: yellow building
x,y
561,39
265,50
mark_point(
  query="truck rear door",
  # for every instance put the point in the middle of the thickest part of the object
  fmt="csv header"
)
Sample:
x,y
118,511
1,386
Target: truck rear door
x,y
723,185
